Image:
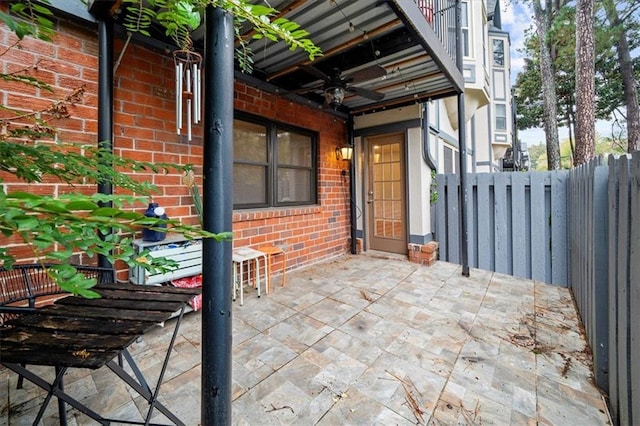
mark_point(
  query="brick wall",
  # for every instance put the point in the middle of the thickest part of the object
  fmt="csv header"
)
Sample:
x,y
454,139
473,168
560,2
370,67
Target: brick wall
x,y
144,117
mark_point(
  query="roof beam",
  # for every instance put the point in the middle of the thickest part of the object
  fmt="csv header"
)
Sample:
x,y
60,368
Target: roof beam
x,y
340,48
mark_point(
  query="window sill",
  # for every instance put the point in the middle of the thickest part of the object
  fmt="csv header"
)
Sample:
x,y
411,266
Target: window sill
x,y
270,213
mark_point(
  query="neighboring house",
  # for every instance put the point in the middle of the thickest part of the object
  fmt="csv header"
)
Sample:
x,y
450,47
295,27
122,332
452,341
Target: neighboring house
x,y
388,72
488,106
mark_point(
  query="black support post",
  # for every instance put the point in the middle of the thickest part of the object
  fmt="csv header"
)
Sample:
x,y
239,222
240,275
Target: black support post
x,y
105,103
218,211
352,187
462,141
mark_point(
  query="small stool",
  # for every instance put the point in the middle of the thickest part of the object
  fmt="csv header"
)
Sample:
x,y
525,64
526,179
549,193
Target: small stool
x,y
252,258
272,251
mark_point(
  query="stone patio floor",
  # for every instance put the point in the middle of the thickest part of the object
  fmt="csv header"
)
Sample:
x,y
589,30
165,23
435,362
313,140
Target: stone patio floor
x,y
366,340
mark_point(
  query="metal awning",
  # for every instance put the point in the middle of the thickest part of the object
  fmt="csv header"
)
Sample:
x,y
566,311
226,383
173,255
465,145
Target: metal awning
x,y
357,34
412,40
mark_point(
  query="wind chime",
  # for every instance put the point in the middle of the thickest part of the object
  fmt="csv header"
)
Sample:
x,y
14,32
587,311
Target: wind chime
x,y
188,89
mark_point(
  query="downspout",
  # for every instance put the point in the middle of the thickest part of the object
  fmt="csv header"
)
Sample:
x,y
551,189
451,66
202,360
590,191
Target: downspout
x,y
462,140
105,106
431,162
217,217
352,185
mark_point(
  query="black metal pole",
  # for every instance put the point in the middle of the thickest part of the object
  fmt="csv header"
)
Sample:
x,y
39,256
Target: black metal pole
x,y
217,217
462,141
352,187
105,104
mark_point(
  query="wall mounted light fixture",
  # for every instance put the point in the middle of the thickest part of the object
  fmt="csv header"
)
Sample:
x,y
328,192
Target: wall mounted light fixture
x,y
344,153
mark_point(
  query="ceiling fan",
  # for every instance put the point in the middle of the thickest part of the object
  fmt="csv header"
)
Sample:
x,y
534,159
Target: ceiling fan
x,y
336,84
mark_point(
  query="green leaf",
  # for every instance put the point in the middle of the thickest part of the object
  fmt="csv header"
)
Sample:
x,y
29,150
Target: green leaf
x,y
19,195
81,205
105,212
260,10
26,223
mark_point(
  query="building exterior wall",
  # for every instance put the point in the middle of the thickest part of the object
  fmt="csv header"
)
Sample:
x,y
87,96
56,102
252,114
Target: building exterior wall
x,y
144,129
487,89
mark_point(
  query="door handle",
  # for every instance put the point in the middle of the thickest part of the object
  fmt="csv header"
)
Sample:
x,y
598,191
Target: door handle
x,y
370,198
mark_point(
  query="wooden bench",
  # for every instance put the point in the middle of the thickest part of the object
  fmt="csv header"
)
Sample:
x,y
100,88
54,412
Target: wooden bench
x,y
28,286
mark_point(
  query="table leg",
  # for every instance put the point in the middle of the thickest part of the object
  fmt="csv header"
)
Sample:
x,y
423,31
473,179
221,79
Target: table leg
x,y
62,409
164,366
52,389
241,283
256,277
266,261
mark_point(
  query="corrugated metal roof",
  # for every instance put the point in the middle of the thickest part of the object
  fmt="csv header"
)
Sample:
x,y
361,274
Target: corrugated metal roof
x,y
354,35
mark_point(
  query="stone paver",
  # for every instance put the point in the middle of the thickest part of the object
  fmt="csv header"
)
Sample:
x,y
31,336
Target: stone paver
x,y
370,340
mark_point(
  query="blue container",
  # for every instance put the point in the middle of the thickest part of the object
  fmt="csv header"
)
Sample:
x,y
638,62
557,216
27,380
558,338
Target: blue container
x,y
154,235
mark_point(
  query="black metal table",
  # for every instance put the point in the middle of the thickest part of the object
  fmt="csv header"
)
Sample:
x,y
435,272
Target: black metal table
x,y
91,333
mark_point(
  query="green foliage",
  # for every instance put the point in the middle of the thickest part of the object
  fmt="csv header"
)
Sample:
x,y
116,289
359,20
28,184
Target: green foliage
x,y
609,88
434,188
180,17
538,153
54,228
35,20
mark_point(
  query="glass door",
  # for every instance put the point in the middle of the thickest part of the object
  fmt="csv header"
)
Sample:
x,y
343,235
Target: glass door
x,y
386,203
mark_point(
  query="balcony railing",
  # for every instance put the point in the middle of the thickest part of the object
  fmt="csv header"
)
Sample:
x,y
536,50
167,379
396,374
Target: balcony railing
x,y
441,17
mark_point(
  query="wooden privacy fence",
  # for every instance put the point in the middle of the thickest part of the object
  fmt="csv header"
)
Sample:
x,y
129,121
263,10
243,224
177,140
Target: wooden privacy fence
x,y
588,251
624,288
578,228
516,223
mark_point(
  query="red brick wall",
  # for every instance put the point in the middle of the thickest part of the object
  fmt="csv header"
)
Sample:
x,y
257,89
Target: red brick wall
x,y
144,117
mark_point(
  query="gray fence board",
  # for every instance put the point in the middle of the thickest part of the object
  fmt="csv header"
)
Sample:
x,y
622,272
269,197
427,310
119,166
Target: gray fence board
x,y
501,253
634,292
613,205
519,227
471,213
539,220
622,291
601,308
485,238
441,219
453,223
559,228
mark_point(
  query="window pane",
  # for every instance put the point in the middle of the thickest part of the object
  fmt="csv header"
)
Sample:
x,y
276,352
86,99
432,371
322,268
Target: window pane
x,y
249,184
465,42
498,52
464,14
249,142
294,185
294,149
501,117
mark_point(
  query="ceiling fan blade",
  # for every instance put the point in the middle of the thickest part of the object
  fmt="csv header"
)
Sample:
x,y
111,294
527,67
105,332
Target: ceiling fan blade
x,y
369,73
315,72
366,93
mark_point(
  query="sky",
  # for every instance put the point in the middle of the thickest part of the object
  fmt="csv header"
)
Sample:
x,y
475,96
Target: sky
x,y
516,18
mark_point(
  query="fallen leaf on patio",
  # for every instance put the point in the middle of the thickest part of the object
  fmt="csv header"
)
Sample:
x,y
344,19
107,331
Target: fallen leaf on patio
x,y
365,296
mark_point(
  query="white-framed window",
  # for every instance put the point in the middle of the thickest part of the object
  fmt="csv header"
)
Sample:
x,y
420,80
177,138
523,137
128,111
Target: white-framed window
x,y
464,25
501,117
